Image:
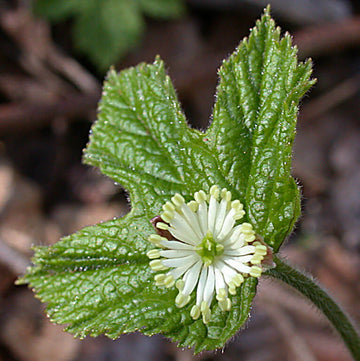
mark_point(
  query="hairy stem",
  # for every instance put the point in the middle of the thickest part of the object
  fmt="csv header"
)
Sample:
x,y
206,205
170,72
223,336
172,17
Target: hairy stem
x,y
322,300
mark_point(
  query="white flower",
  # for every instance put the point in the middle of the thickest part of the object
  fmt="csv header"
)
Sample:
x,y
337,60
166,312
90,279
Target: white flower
x,y
204,251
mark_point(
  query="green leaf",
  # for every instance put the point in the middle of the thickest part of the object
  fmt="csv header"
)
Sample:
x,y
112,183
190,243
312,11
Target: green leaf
x,y
162,9
98,280
106,30
56,10
142,141
254,123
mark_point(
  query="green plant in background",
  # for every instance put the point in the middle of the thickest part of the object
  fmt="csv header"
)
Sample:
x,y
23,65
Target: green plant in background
x,y
105,30
209,209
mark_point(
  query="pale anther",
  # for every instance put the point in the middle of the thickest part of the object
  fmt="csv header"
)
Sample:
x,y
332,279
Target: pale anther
x,y
193,206
154,253
167,216
163,226
156,265
178,200
168,206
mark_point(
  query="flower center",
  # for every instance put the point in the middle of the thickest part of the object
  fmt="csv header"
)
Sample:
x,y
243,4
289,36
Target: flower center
x,y
208,249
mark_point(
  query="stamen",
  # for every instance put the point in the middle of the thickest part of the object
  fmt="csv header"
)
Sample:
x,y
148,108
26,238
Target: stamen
x,y
200,196
257,258
255,271
154,253
238,280
247,228
168,206
232,288
215,191
178,200
225,305
167,216
249,238
205,310
260,249
157,265
193,206
180,285
182,300
162,226
159,279
169,281
238,208
222,295
225,194
195,312
156,239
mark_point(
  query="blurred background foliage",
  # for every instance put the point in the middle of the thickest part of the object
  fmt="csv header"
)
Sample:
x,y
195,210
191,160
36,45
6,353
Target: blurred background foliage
x,y
52,63
106,30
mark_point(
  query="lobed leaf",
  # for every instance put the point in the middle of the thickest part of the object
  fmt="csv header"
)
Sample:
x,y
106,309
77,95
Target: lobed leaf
x,y
253,127
98,280
142,141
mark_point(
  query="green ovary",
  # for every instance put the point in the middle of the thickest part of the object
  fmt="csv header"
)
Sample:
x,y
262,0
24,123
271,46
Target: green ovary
x,y
208,249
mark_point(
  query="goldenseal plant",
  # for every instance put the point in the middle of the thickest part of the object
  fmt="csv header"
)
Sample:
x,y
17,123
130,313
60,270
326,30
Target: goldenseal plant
x,y
209,210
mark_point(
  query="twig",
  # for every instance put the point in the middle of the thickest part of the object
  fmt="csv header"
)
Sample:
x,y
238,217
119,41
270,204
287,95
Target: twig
x,y
72,70
39,56
23,116
329,100
296,345
13,259
290,302
323,39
